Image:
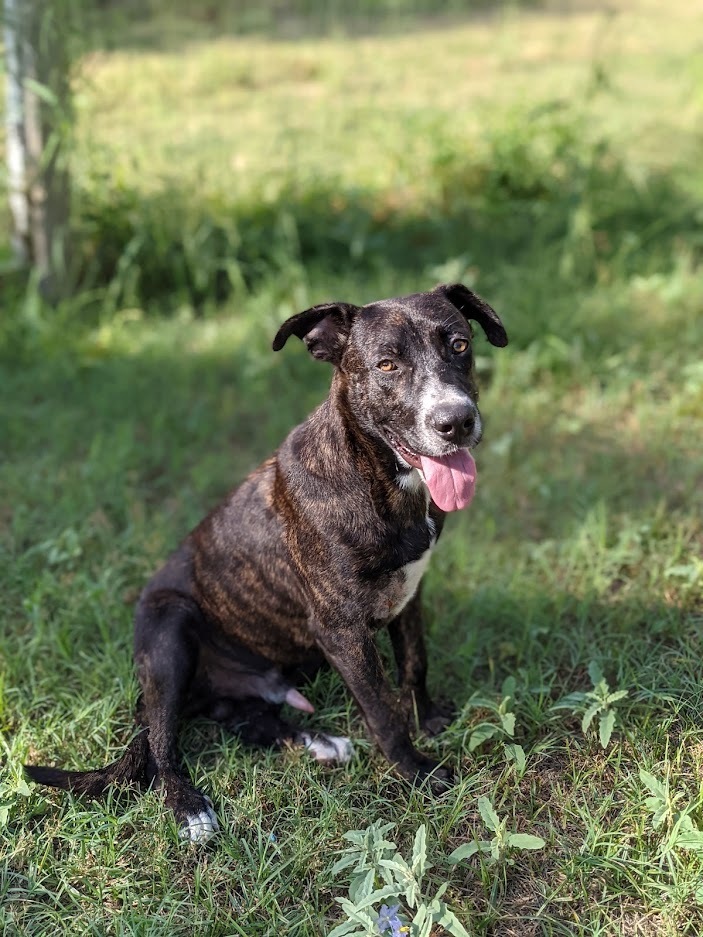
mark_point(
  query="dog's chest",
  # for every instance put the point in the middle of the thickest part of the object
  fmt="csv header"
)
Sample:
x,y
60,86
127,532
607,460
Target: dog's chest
x,y
403,583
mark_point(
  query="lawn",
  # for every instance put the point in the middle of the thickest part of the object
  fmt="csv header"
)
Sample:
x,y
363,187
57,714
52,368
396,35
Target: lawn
x,y
549,157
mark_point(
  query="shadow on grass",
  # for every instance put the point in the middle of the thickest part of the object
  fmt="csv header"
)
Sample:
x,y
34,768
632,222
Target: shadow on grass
x,y
170,428
572,217
128,450
539,219
168,27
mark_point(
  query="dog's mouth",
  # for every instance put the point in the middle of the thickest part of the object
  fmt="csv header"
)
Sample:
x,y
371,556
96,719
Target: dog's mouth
x,y
451,478
413,459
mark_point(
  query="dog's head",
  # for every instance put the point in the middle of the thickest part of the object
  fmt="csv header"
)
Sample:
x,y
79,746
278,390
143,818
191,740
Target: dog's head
x,y
408,369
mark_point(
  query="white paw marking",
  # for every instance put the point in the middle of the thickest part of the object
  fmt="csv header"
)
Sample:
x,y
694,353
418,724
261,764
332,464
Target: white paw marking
x,y
328,747
200,827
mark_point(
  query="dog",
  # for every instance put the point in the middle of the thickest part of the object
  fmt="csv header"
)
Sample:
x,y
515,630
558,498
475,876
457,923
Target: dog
x,y
321,546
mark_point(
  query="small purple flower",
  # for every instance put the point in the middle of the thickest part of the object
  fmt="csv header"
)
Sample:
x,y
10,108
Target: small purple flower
x,y
388,920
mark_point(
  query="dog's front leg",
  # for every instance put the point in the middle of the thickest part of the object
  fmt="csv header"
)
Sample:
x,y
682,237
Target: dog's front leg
x,y
350,649
407,637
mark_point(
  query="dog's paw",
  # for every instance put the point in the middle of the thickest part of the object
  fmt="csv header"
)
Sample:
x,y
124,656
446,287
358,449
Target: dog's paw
x,y
328,748
437,717
441,780
426,717
201,826
437,777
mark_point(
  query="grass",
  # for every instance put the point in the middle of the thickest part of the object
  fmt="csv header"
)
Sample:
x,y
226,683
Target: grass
x,y
547,158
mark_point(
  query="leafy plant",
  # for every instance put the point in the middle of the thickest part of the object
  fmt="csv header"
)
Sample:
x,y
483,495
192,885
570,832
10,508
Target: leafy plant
x,y
596,702
682,831
502,726
503,841
379,874
10,790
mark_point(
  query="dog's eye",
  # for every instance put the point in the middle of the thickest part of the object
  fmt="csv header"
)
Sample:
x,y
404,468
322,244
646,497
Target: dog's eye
x,y
459,345
386,365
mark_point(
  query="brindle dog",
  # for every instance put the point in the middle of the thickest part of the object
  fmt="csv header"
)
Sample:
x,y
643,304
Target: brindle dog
x,y
316,550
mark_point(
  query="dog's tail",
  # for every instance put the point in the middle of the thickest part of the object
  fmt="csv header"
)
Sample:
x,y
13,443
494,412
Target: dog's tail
x,y
130,767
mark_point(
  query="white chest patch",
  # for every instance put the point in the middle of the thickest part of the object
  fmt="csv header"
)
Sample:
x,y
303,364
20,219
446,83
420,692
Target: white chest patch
x,y
409,481
413,573
406,580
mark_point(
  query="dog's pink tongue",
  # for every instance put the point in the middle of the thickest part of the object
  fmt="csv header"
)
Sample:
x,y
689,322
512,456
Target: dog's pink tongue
x,y
451,479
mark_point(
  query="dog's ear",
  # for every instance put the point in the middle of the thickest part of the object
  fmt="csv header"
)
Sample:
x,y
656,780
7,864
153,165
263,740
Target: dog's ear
x,y
473,307
324,329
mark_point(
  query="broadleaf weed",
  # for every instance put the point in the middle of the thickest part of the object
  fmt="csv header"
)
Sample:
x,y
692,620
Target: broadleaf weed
x,y
680,829
600,702
380,873
500,726
503,842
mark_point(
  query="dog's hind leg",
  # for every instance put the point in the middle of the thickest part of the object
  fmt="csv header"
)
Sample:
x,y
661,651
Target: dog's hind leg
x,y
260,724
166,652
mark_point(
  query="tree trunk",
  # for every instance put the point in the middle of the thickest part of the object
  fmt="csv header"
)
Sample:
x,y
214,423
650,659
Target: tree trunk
x,y
38,100
16,152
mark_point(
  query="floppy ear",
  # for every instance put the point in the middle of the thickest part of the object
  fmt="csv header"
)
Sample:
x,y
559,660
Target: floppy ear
x,y
473,307
324,329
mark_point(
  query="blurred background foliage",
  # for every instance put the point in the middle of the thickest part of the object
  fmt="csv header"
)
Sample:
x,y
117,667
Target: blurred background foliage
x,y
221,146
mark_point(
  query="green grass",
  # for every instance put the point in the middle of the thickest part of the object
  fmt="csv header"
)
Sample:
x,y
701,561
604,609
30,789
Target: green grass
x,y
223,184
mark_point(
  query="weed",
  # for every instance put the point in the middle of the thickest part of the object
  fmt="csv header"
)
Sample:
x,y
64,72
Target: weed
x,y
596,702
680,829
503,843
379,874
502,727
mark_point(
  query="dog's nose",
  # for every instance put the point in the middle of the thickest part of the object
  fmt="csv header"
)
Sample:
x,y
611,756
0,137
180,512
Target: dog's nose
x,y
455,423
